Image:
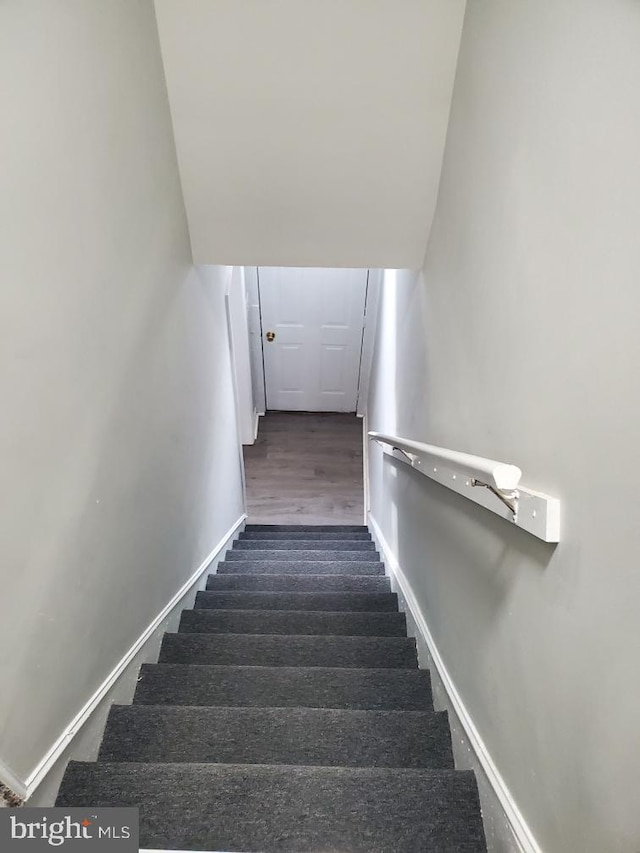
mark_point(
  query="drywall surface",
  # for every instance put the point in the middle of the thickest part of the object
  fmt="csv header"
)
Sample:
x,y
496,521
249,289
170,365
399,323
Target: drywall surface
x,y
374,283
85,744
310,134
520,342
118,447
255,339
241,354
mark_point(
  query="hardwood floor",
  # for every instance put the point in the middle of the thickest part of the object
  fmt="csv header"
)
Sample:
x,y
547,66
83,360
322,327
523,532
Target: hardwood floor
x,y
306,469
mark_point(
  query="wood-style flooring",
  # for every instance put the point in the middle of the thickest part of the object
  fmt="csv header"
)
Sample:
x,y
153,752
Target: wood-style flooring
x,y
306,469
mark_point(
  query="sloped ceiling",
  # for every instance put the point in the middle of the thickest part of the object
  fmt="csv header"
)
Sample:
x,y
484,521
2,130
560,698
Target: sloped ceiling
x,y
310,132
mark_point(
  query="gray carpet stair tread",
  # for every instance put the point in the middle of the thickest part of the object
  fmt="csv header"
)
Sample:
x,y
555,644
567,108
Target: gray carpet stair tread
x,y
287,714
275,808
298,736
323,554
303,545
304,534
332,601
293,622
299,583
263,562
307,528
286,650
292,687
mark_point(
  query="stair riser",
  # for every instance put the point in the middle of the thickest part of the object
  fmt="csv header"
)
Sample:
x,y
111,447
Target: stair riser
x,y
276,555
298,583
277,567
285,687
302,545
306,528
293,623
309,535
277,736
267,650
332,601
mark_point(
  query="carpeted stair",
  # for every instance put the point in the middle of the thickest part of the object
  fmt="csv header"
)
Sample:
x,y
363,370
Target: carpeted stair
x,y
287,714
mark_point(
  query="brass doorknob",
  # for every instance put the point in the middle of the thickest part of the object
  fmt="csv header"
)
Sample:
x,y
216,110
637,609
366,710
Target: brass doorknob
x,y
271,336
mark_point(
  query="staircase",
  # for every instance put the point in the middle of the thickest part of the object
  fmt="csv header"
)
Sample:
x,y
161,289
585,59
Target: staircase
x,y
287,714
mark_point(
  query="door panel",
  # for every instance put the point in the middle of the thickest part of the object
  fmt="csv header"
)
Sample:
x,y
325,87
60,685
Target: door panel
x,y
317,317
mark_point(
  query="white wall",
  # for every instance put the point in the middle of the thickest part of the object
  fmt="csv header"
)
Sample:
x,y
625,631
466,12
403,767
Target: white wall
x,y
374,285
118,448
520,342
238,318
255,339
310,134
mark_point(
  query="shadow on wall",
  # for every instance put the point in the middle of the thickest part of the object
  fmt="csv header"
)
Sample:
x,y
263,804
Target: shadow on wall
x,y
483,546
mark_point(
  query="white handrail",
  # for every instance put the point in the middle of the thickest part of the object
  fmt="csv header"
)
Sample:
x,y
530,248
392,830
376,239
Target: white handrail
x,y
500,475
533,511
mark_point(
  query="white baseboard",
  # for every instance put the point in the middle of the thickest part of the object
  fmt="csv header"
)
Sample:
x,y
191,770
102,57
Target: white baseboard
x,y
513,817
13,782
25,787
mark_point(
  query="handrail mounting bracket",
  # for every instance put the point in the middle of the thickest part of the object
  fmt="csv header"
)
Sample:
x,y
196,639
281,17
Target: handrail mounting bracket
x,y
509,499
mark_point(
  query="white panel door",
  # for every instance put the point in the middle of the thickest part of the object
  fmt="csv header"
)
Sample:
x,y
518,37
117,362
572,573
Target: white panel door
x,y
312,321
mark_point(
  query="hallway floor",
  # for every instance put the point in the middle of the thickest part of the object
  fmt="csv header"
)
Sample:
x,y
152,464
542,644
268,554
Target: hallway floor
x,y
306,468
